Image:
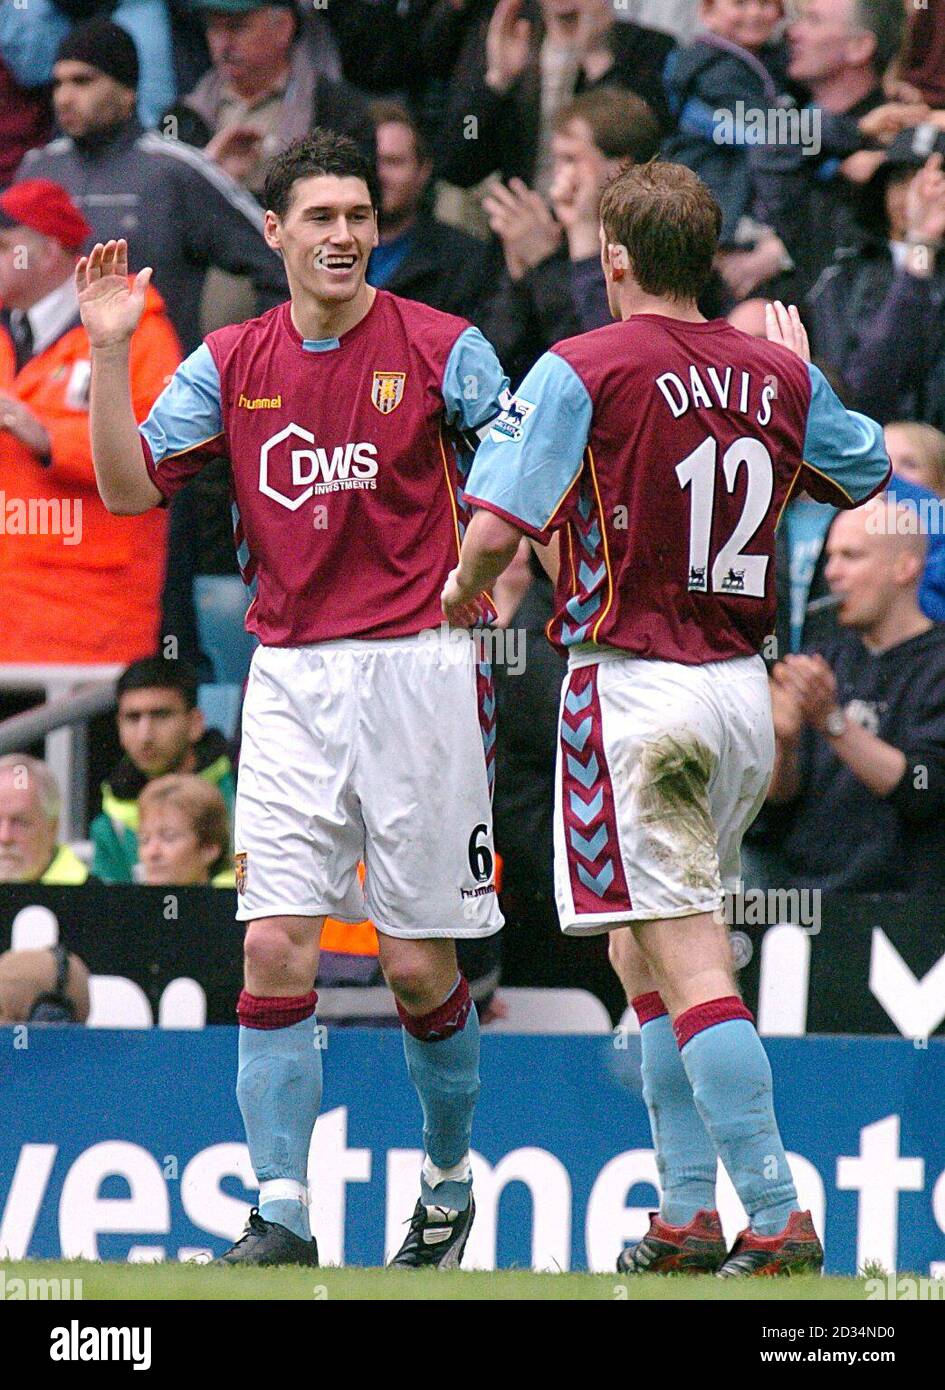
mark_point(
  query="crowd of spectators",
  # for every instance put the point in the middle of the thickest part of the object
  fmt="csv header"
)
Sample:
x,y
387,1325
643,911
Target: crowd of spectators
x,y
495,124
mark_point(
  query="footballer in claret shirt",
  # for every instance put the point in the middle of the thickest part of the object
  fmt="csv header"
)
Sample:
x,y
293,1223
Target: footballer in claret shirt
x,y
661,451
349,417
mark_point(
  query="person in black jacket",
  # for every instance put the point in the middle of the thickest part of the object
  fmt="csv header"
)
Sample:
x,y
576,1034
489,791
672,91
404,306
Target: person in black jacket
x,y
515,73
419,257
859,777
177,212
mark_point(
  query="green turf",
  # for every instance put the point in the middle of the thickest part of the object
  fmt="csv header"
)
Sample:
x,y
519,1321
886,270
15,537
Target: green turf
x,y
181,1281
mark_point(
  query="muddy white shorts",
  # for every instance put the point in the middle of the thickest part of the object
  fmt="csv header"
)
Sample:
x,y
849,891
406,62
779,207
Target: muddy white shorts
x,y
373,751
661,770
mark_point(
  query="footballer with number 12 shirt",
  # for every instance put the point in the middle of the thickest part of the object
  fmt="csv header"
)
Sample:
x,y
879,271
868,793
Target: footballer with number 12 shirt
x,y
663,449
349,417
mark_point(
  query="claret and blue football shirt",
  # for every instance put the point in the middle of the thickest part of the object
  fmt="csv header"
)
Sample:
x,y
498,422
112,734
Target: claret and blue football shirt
x,y
349,458
664,452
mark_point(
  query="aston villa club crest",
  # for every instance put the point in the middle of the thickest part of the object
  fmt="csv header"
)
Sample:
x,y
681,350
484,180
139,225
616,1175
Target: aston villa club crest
x,y
387,391
239,864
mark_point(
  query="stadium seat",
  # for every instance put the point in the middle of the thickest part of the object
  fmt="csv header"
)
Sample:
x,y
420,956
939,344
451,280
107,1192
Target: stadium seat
x,y
221,706
220,602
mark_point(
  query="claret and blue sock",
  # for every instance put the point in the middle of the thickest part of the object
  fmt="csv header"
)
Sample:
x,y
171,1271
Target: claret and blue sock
x,y
442,1052
279,1088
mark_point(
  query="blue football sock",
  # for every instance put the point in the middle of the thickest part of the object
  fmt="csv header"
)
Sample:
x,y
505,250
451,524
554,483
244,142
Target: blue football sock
x,y
445,1072
731,1082
279,1088
685,1155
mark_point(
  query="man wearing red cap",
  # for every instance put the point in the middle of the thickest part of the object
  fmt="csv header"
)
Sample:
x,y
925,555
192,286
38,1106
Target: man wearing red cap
x,y
79,585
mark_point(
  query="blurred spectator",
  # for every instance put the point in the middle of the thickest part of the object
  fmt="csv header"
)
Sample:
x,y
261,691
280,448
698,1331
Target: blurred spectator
x,y
514,76
677,17
43,986
262,91
917,453
869,291
898,368
79,584
29,826
553,285
161,730
860,724
30,35
924,58
177,211
419,257
749,317
841,50
378,43
184,833
806,617
25,120
737,58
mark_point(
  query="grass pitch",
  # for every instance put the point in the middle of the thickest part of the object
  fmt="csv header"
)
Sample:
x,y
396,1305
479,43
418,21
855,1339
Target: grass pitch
x,y
198,1282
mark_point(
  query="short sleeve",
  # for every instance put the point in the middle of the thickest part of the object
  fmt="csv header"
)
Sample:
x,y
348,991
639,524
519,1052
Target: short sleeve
x,y
185,427
475,388
532,456
845,460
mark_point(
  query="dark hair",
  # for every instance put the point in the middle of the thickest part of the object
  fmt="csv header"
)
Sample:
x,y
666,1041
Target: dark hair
x,y
622,124
320,153
386,112
886,21
158,673
669,222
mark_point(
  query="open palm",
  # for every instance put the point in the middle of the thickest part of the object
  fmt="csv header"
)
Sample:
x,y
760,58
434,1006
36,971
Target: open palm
x,y
111,308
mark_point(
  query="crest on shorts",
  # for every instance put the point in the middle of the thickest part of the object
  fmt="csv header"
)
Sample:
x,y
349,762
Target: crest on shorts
x,y
239,864
387,391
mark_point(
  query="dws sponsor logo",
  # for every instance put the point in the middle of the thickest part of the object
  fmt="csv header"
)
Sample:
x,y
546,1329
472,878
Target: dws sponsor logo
x,y
313,469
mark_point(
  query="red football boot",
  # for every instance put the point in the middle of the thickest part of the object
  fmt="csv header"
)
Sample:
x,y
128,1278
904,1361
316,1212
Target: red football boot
x,y
796,1250
698,1248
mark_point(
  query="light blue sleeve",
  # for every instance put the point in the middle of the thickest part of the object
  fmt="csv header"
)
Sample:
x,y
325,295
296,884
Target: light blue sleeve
x,y
534,452
187,412
475,388
845,448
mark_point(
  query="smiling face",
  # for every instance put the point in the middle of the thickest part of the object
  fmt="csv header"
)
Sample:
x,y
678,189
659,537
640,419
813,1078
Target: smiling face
x,y
749,23
326,237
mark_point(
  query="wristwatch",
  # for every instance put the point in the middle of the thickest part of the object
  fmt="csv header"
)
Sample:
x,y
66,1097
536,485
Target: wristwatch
x,y
836,723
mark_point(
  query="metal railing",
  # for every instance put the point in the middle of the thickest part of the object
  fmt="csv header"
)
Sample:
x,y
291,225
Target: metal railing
x,y
73,696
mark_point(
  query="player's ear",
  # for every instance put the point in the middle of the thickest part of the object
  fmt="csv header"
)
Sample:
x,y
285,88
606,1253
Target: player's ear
x,y
377,233
271,230
619,259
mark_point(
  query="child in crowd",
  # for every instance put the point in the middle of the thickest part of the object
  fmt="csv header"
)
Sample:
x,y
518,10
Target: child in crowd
x,y
735,69
917,453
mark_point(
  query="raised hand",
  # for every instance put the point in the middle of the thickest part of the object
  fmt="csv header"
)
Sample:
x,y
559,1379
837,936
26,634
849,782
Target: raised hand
x,y
925,203
111,308
508,41
784,326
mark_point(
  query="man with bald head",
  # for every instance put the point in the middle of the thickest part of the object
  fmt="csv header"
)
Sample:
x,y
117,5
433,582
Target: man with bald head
x,y
860,770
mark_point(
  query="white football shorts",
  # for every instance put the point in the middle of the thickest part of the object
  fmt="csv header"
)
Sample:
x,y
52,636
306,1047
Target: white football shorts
x,y
375,751
661,769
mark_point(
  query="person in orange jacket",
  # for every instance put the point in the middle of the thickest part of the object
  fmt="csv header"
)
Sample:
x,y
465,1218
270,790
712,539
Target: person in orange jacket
x,y
78,584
